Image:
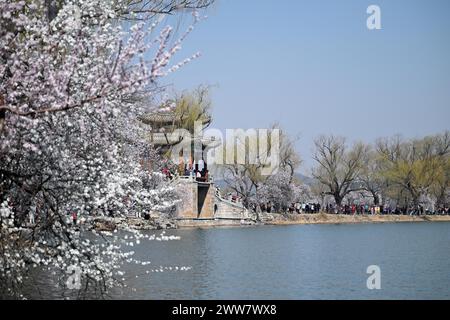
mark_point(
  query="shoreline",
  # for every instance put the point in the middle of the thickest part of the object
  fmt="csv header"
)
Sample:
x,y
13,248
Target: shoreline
x,y
278,219
273,219
325,218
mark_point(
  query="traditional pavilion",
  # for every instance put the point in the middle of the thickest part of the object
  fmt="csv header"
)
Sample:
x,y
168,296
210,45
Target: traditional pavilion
x,y
162,123
201,203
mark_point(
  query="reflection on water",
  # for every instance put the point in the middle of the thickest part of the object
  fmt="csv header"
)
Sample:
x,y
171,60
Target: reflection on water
x,y
295,262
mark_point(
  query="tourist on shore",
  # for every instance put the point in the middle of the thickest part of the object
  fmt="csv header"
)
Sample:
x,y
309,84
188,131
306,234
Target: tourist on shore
x,y
329,208
32,215
74,218
167,173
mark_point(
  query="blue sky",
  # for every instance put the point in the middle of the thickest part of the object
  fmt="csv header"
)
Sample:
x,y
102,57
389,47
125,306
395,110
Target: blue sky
x,y
315,68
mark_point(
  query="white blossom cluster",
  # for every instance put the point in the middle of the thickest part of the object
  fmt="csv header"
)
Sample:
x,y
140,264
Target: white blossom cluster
x,y
71,90
280,191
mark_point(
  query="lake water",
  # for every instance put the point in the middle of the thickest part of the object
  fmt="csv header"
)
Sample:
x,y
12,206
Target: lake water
x,y
297,262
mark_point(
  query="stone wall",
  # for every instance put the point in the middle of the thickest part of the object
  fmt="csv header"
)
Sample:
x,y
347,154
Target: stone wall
x,y
197,200
205,194
200,201
225,209
187,207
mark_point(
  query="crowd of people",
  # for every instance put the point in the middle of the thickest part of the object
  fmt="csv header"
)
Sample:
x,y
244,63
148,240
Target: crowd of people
x,y
188,170
380,209
311,208
293,208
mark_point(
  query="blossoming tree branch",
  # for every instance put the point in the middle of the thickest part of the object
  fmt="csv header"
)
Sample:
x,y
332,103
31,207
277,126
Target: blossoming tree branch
x,y
75,75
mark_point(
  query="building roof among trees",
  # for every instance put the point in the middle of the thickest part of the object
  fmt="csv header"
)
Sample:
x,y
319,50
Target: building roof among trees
x,y
160,117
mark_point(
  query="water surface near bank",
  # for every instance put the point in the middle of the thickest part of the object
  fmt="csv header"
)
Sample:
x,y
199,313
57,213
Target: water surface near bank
x,y
296,262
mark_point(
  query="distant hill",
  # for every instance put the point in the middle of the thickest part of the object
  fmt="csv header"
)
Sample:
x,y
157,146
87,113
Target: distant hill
x,y
220,183
305,179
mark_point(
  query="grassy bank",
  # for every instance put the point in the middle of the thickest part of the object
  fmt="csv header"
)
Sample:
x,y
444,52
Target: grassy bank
x,y
322,218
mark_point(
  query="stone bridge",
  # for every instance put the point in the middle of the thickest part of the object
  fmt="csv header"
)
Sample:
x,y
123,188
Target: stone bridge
x,y
201,202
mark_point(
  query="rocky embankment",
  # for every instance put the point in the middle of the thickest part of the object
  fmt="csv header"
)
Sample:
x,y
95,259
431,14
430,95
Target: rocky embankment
x,y
159,222
155,222
324,218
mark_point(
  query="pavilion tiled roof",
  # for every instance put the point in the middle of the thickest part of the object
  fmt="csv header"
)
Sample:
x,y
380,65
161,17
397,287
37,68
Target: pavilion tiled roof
x,y
159,117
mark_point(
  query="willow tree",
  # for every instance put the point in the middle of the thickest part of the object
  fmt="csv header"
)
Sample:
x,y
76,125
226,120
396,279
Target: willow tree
x,y
192,108
440,189
416,168
337,166
257,181
370,178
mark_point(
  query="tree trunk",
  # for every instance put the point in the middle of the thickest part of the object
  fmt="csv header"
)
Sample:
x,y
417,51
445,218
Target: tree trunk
x,y
2,118
376,199
2,114
338,199
52,9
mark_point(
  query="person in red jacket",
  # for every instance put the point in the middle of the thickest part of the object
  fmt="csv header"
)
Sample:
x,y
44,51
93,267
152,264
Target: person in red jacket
x,y
74,218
